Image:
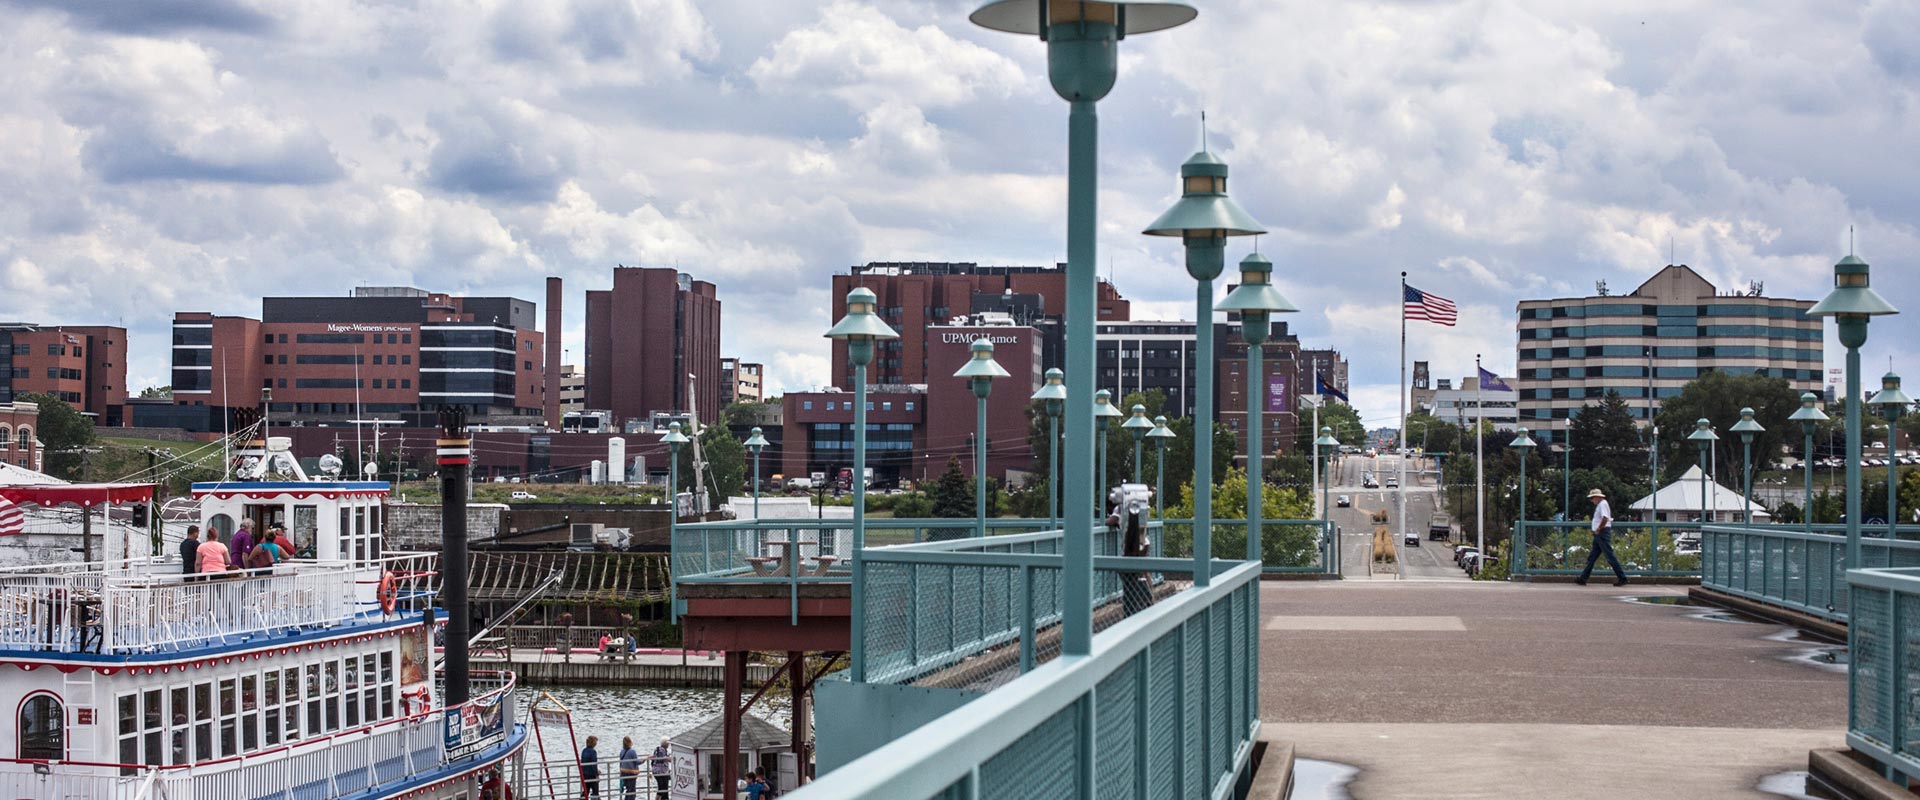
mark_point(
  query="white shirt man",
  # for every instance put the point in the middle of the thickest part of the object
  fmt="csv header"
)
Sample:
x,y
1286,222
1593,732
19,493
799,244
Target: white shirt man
x,y
1602,513
1602,540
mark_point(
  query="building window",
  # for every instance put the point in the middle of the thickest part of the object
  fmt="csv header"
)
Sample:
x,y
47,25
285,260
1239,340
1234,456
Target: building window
x,y
42,732
909,405
266,359
806,405
406,338
283,338
406,359
406,383
283,383
283,358
886,406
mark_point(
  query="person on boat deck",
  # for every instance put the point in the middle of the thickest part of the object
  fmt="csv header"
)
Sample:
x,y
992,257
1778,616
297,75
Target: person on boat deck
x,y
212,554
280,540
260,559
590,769
242,541
629,769
189,562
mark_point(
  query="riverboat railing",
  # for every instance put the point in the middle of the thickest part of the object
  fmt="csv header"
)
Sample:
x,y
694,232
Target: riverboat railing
x,y
66,609
342,764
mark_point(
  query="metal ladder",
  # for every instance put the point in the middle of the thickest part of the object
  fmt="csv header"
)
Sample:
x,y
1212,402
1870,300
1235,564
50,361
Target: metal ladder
x,y
78,693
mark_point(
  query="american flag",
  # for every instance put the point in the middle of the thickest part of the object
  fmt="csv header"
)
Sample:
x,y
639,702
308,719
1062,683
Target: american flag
x,y
12,521
1428,306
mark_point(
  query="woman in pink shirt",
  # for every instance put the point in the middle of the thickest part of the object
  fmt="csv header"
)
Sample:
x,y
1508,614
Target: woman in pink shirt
x,y
213,554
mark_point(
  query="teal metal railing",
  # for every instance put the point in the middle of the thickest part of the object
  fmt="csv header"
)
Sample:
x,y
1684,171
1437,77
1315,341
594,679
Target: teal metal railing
x,y
1784,565
1165,705
1883,674
1298,546
1645,549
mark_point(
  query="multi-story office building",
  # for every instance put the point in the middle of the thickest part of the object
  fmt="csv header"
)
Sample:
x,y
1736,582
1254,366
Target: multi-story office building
x,y
1469,404
653,346
1649,343
1280,413
1328,364
740,382
818,433
915,295
1143,355
83,365
573,389
388,353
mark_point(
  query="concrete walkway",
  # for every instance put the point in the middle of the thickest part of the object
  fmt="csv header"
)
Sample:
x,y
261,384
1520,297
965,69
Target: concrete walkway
x,y
1508,690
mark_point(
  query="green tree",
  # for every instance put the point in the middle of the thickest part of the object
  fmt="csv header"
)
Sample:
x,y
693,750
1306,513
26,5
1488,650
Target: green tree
x,y
1344,421
726,464
157,391
1605,437
1718,398
1280,545
952,492
63,431
912,505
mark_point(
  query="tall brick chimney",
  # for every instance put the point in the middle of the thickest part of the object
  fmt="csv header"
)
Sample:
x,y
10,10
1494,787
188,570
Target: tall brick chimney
x,y
554,331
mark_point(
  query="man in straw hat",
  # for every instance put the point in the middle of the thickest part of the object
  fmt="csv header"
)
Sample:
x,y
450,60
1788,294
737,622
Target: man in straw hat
x,y
1602,539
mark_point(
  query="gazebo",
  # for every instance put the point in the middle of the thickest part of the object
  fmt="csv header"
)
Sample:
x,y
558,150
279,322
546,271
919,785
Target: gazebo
x,y
761,745
1680,501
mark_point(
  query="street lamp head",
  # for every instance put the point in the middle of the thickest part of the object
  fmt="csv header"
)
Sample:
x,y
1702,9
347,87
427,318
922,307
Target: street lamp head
x,y
1204,216
1161,431
1103,405
1138,423
1809,412
755,441
1326,438
1852,301
1747,427
860,327
1524,440
1080,35
1255,298
981,369
1052,394
1703,433
1891,401
674,437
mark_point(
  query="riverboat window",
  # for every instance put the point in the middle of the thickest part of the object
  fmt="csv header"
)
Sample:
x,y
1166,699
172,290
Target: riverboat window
x,y
387,708
351,677
314,720
370,702
290,686
249,712
179,716
306,521
203,722
43,728
222,523
229,719
332,694
142,721
270,705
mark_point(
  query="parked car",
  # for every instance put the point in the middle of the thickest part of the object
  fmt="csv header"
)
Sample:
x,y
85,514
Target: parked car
x,y
1460,553
523,494
1343,501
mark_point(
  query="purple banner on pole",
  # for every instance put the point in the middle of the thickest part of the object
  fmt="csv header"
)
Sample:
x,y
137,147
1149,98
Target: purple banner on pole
x,y
1277,397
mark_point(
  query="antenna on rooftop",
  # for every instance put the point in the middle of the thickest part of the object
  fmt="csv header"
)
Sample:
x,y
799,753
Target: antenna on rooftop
x,y
1600,288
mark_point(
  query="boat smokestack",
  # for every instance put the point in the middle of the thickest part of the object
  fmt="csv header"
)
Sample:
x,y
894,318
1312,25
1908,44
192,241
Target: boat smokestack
x,y
456,459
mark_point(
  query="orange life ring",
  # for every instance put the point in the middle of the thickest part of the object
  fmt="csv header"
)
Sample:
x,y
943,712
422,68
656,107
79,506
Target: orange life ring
x,y
387,593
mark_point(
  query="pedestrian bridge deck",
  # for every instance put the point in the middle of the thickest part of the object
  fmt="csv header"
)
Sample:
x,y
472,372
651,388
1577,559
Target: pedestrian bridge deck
x,y
1484,689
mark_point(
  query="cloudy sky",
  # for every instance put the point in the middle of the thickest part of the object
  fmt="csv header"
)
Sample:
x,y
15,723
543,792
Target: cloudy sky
x,y
197,154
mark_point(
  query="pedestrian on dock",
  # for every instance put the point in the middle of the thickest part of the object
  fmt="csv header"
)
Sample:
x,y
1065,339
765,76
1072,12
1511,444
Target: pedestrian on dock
x,y
590,769
189,562
629,768
661,765
1602,540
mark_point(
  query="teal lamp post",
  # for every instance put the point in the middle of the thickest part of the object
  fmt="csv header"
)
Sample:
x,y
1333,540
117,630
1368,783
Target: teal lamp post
x,y
1138,425
1052,397
1524,443
1103,412
674,439
1852,304
1257,301
756,443
1892,404
1082,62
1704,437
1809,416
860,328
1161,435
1747,428
1329,446
980,370
1203,218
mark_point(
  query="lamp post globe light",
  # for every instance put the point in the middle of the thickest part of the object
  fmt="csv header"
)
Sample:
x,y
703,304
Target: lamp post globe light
x,y
1852,304
1138,425
860,328
1524,443
1704,437
1747,428
980,370
1082,62
1328,445
1103,410
1203,218
1892,404
756,443
1052,397
1808,416
1161,435
1257,301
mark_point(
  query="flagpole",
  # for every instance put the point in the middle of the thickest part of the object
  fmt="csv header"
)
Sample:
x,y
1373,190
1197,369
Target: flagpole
x,y
1319,511
1401,534
1479,458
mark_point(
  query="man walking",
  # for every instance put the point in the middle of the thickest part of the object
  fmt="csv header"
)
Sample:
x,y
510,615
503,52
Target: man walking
x,y
1602,539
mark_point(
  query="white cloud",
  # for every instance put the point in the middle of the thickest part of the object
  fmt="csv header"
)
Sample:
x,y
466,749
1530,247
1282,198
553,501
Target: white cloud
x,y
859,54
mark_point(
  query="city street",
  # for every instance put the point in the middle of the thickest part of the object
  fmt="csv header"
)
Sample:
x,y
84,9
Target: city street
x,y
1428,560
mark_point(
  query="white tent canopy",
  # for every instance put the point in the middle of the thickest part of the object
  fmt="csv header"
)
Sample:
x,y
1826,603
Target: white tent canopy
x,y
1680,500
